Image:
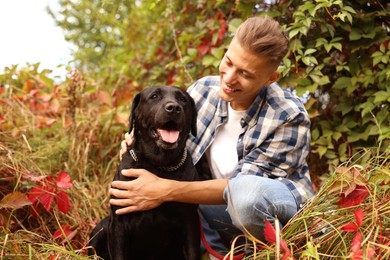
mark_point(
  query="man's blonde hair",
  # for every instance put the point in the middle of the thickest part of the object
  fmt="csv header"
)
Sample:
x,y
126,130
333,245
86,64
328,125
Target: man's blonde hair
x,y
263,36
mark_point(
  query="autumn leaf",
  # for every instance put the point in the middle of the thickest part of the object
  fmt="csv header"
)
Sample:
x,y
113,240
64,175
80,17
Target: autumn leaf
x,y
64,181
104,97
350,227
354,198
59,233
269,233
270,236
62,200
43,194
15,200
359,215
356,242
349,178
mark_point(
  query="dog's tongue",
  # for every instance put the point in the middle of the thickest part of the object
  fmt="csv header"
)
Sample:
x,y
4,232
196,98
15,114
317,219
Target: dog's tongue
x,y
168,135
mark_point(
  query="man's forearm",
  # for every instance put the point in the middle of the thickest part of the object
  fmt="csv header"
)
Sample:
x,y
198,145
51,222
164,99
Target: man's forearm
x,y
197,192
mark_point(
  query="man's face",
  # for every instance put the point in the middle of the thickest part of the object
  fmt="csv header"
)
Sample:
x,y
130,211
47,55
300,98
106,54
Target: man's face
x,y
243,74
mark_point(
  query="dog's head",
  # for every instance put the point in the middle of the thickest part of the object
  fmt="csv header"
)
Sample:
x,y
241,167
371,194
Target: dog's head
x,y
163,117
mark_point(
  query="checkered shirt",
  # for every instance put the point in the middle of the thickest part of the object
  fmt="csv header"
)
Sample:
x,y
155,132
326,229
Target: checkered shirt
x,y
275,137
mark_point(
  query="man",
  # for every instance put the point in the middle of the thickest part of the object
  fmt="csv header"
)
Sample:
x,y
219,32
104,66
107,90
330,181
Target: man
x,y
255,137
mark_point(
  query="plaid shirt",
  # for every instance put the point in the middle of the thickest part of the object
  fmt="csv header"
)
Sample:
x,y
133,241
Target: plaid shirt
x,y
275,137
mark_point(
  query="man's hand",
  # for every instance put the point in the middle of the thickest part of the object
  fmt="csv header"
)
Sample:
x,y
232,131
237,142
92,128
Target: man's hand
x,y
146,192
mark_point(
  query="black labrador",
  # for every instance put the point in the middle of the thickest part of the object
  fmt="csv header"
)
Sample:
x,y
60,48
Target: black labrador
x,y
162,118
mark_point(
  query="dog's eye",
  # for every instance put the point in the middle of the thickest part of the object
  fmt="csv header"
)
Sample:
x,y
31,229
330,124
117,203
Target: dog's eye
x,y
183,99
154,96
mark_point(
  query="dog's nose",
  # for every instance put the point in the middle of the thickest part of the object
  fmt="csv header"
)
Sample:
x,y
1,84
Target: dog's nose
x,y
172,108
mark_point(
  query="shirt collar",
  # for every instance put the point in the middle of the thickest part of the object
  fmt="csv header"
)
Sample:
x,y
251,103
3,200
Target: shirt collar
x,y
251,115
253,111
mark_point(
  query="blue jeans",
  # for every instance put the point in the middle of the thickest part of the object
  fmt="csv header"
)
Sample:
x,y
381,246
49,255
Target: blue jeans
x,y
250,201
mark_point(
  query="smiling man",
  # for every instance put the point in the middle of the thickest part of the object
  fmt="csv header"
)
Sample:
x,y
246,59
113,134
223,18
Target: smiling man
x,y
253,140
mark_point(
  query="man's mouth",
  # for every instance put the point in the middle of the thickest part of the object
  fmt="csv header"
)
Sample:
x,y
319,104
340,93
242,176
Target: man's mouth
x,y
229,90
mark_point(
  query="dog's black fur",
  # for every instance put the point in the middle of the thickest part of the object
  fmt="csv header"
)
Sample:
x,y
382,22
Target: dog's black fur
x,y
170,231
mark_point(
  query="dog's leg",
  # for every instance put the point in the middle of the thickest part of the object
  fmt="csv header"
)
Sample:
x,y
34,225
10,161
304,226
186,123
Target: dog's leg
x,y
99,240
117,240
192,231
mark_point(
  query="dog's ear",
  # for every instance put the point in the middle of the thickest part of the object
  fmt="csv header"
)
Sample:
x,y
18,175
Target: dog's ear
x,y
134,106
194,117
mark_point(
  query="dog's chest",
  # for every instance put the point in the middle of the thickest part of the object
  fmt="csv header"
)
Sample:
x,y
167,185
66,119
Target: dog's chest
x,y
166,220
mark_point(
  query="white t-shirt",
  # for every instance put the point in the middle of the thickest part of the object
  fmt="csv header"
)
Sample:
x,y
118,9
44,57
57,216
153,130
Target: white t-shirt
x,y
222,153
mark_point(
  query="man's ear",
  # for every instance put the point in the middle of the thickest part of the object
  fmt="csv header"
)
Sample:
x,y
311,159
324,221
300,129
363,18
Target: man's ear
x,y
274,77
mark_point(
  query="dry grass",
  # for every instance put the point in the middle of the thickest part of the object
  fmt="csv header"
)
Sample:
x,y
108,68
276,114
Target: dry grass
x,y
88,151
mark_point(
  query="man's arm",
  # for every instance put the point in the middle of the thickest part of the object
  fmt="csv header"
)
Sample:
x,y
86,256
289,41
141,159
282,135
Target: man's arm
x,y
148,191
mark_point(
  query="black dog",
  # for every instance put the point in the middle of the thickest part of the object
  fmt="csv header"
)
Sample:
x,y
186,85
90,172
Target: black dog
x,y
162,118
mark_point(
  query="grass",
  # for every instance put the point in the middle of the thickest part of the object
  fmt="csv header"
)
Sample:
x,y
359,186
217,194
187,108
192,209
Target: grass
x,y
87,149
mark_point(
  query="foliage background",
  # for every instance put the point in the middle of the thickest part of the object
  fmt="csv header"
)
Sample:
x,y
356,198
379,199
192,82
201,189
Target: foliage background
x,y
338,62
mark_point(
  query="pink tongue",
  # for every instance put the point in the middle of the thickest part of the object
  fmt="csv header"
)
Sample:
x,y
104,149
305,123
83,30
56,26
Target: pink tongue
x,y
168,136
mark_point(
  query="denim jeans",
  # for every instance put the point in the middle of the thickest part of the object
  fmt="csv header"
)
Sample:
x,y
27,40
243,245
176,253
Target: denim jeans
x,y
250,201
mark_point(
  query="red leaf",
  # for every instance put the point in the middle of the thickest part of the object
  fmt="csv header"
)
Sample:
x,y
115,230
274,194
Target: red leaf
x,y
104,97
357,255
359,215
370,253
350,227
34,194
59,233
44,195
354,198
49,122
356,242
270,236
203,49
62,200
269,233
286,251
64,181
14,200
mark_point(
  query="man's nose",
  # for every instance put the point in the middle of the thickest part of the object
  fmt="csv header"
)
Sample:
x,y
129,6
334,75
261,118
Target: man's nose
x,y
230,76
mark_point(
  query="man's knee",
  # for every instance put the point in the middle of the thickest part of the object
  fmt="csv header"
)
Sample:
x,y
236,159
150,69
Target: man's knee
x,y
252,200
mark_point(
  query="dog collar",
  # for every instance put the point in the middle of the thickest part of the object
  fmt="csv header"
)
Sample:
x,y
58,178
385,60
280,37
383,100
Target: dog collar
x,y
168,168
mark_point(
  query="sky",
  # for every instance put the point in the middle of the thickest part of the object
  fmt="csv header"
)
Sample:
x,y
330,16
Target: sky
x,y
28,34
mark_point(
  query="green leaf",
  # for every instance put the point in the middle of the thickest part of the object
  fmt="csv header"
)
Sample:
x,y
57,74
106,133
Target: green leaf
x,y
349,9
342,150
355,35
381,96
344,107
233,25
315,134
311,251
336,136
322,150
324,80
342,83
208,60
218,52
309,51
293,32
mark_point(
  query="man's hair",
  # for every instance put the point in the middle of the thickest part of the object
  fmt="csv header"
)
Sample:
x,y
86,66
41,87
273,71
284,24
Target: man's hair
x,y
263,36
